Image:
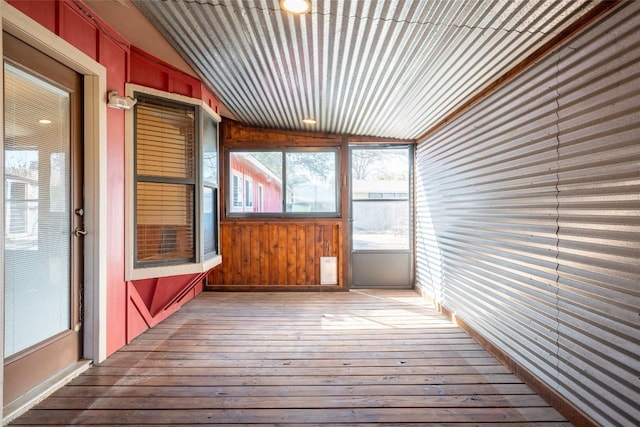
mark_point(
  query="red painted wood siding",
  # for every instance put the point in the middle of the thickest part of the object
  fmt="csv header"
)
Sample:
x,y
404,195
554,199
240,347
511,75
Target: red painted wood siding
x,y
146,70
45,12
132,307
272,190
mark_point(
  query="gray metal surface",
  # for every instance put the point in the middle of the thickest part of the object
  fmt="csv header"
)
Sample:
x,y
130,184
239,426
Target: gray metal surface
x,y
529,218
381,270
388,68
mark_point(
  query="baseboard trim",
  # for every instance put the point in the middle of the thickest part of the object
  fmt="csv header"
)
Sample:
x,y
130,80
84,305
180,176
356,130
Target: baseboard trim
x,y
567,409
37,394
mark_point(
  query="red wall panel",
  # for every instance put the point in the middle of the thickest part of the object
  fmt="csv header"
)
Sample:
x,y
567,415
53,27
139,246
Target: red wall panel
x,y
153,300
114,56
77,30
181,86
210,100
158,294
130,310
144,73
45,12
137,314
149,71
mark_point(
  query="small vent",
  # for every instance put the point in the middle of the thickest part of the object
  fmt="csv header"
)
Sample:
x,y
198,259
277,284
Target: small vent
x,y
328,270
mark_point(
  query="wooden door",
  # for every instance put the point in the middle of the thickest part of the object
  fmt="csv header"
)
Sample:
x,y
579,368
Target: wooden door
x,y
43,217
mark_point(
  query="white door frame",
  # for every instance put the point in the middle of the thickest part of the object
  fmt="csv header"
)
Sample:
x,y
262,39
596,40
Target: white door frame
x,y
95,183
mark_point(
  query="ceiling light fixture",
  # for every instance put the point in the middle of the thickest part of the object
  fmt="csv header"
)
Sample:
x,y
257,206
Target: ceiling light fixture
x,y
296,6
309,121
44,121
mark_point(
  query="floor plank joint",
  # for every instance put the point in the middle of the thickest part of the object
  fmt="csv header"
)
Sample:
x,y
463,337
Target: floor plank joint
x,y
355,358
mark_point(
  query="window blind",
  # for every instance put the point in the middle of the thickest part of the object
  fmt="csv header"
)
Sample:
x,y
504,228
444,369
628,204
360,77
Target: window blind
x,y
165,140
37,245
165,181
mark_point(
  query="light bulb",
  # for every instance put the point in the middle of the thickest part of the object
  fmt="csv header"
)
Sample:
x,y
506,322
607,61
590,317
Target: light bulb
x,y
296,6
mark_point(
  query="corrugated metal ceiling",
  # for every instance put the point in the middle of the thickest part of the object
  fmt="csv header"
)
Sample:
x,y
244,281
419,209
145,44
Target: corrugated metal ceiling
x,y
386,68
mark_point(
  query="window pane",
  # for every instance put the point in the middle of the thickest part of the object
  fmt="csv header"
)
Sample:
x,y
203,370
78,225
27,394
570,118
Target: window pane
x,y
164,140
256,176
37,245
209,151
209,220
380,173
311,181
164,217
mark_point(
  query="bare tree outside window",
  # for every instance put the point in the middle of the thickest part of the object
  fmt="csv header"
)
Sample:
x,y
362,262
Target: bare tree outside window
x,y
311,181
379,164
380,198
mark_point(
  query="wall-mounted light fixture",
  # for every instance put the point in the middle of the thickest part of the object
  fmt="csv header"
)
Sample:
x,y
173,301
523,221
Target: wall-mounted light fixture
x,y
296,6
120,102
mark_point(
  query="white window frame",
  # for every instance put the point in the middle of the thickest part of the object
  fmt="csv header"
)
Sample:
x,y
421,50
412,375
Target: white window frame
x,y
237,197
131,271
260,198
248,193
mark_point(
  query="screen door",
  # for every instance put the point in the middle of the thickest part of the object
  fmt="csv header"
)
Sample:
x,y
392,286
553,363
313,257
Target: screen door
x,y
381,217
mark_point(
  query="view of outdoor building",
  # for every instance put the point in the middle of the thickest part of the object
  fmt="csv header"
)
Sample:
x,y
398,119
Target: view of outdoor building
x,y
283,182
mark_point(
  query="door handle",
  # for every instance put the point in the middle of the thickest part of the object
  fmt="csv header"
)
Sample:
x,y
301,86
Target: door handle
x,y
79,231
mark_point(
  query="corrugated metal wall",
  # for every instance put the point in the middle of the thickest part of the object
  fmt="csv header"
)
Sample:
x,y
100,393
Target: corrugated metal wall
x,y
529,218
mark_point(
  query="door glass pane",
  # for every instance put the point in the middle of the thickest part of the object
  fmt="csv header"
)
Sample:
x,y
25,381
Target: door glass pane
x,y
381,225
36,206
380,199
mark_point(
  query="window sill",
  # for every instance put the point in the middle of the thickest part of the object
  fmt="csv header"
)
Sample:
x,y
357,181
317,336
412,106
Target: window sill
x,y
280,217
173,270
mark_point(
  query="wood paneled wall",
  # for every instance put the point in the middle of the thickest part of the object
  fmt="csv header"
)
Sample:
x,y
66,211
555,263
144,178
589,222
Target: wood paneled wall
x,y
273,253
277,254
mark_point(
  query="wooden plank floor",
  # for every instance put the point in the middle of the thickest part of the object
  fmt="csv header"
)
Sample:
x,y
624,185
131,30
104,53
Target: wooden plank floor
x,y
340,359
